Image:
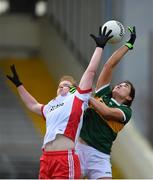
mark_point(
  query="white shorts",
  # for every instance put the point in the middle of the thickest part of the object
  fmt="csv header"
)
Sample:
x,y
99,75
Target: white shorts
x,y
94,164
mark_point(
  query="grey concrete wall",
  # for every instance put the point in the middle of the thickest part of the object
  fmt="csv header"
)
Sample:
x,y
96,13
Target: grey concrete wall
x,y
136,65
19,36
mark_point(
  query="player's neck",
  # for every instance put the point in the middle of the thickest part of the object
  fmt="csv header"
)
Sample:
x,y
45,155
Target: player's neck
x,y
119,99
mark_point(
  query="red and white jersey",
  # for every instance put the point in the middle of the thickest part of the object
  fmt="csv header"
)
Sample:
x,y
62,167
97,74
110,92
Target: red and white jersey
x,y
64,115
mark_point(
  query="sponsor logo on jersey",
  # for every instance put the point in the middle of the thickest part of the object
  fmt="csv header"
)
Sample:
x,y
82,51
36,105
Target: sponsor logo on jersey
x,y
55,107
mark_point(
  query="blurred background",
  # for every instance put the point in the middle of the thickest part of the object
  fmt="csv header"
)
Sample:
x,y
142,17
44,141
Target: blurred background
x,y
46,39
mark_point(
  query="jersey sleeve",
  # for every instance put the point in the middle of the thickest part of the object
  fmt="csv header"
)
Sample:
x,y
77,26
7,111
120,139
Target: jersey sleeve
x,y
127,113
84,95
44,109
104,90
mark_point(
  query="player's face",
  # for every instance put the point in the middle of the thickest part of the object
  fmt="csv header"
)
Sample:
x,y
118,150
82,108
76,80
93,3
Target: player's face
x,y
63,88
122,90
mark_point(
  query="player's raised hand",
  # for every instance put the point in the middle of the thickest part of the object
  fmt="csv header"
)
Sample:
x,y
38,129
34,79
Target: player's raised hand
x,y
132,39
15,78
102,38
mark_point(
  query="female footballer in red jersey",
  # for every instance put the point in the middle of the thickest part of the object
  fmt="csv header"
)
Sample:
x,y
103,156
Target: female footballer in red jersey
x,y
63,117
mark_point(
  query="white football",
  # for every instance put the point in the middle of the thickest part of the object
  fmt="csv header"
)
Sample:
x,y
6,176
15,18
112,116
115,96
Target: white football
x,y
118,30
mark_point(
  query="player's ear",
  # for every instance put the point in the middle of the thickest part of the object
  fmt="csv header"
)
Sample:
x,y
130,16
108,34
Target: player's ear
x,y
128,98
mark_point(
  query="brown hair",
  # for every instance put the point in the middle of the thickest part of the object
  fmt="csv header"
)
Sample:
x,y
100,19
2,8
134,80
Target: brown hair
x,y
132,93
68,78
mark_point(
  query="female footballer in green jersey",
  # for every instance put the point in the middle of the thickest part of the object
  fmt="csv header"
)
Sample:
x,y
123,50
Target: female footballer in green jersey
x,y
108,113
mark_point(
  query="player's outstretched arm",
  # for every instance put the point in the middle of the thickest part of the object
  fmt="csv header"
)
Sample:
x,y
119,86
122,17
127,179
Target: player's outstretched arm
x,y
88,76
26,97
106,73
106,112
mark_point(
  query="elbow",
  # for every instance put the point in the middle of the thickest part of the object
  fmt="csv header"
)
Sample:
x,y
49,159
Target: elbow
x,y
91,74
107,66
31,107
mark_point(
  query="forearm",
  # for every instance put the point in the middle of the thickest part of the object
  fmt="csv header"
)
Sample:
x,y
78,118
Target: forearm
x,y
101,108
95,60
117,56
29,100
106,112
88,76
107,71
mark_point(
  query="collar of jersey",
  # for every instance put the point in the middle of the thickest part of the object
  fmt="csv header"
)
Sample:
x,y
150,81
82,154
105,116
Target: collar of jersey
x,y
59,97
115,101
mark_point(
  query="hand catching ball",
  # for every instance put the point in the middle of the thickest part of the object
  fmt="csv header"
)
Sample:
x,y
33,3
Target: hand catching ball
x,y
118,30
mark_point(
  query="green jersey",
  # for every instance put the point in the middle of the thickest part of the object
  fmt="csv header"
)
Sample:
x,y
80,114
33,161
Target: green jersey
x,y
98,132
